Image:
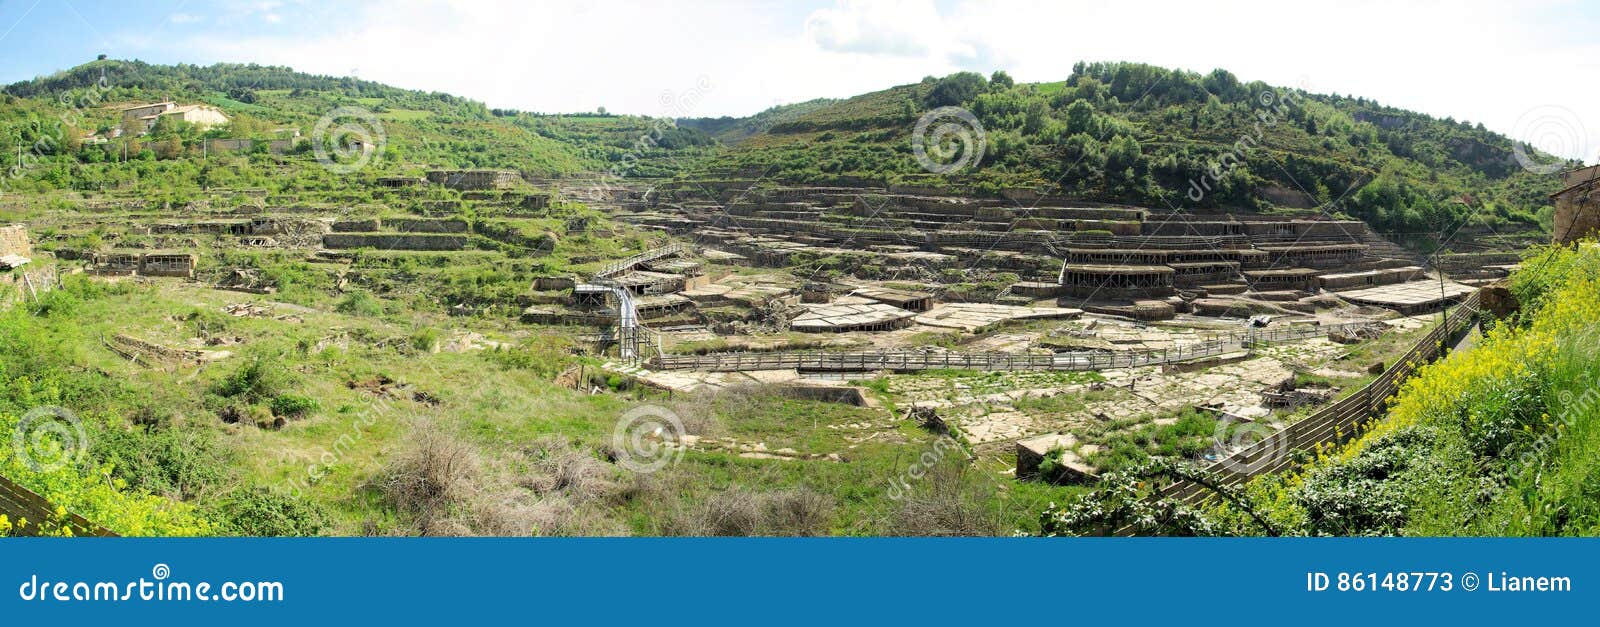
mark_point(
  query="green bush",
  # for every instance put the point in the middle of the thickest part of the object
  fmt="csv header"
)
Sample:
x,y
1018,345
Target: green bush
x,y
259,379
293,405
360,303
425,339
269,513
174,463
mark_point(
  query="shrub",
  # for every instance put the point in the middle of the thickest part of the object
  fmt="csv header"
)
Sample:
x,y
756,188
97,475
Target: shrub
x,y
172,462
293,405
431,479
743,512
260,378
360,303
947,501
263,512
425,340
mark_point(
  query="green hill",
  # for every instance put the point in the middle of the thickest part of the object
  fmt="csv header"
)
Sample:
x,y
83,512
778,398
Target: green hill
x,y
1136,133
730,130
1117,132
50,116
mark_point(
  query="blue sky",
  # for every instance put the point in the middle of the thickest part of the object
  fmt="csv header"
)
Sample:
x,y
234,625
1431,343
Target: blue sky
x,y
1529,69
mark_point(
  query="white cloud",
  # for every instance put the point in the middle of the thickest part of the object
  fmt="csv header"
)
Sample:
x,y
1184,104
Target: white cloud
x,y
184,18
903,28
1481,61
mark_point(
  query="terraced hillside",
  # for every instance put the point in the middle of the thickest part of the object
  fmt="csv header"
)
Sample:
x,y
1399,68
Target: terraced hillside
x,y
1137,134
452,330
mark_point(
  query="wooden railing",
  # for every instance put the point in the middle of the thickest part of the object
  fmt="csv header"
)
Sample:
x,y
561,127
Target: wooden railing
x,y
910,360
19,503
646,256
1331,425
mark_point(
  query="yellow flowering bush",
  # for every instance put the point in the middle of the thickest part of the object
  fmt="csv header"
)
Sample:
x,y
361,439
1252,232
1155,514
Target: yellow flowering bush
x,y
1497,439
94,494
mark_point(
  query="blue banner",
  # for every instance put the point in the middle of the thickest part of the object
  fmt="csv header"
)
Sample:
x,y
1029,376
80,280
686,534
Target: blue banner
x,y
791,581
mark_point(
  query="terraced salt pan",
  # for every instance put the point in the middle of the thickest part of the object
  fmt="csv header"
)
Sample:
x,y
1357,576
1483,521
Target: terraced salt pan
x,y
974,316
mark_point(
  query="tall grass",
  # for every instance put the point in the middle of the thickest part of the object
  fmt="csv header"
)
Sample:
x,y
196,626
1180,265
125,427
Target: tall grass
x,y
1500,439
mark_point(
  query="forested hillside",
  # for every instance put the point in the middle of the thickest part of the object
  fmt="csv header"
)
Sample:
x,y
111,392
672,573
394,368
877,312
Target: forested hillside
x,y
48,119
1118,132
1167,138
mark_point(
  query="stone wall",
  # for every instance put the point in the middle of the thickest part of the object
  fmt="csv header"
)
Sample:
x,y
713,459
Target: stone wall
x,y
368,225
14,241
417,225
1577,214
394,241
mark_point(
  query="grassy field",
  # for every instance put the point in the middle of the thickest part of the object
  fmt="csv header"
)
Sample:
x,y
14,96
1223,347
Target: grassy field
x,y
538,455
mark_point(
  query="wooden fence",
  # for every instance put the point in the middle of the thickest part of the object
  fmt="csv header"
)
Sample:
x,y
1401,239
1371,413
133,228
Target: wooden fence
x,y
1332,425
911,360
19,503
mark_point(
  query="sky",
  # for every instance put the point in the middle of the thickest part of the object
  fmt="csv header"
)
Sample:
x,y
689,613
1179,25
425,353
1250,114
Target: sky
x,y
1529,69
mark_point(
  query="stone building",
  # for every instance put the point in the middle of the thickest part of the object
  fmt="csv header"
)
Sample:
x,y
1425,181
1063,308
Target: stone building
x,y
142,118
1577,205
1116,282
168,264
120,263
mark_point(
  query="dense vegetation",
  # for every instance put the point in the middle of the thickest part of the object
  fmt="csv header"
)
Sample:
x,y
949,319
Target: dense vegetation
x,y
1165,138
1495,440
178,458
122,487
48,119
1111,131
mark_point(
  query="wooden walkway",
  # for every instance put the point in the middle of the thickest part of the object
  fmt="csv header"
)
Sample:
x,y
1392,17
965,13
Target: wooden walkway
x,y
911,360
644,257
1332,425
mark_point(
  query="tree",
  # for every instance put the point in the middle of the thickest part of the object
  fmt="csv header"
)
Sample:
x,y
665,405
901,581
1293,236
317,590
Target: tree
x,y
172,148
956,89
1080,117
247,96
908,109
1000,80
1123,156
1224,85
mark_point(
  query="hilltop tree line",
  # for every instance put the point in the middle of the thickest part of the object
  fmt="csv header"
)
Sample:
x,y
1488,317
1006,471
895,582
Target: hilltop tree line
x,y
44,123
1137,133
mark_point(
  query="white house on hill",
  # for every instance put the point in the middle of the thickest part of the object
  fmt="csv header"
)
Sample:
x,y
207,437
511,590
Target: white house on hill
x,y
142,118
